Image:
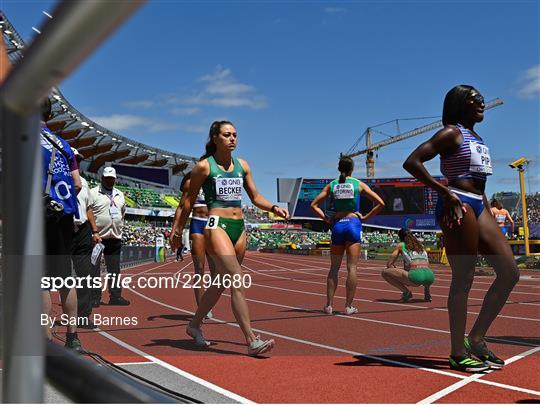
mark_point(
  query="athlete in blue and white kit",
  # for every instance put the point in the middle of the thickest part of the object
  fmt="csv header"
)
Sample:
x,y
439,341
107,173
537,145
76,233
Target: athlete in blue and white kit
x,y
199,218
346,228
467,224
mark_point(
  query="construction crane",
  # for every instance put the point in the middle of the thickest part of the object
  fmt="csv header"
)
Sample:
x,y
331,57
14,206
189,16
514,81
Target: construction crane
x,y
370,148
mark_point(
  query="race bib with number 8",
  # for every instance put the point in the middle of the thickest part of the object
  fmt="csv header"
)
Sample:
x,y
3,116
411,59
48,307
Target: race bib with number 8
x,y
212,222
343,191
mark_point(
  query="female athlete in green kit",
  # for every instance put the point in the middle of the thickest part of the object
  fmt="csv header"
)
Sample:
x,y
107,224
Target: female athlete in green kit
x,y
415,270
222,178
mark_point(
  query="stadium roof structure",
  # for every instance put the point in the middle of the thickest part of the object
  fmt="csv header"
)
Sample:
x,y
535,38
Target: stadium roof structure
x,y
97,144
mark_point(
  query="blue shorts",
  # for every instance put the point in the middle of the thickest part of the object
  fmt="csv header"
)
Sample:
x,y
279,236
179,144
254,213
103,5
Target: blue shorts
x,y
347,229
474,200
505,230
197,226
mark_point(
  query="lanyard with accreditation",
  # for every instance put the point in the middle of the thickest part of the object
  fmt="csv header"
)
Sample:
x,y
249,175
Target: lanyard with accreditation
x,y
114,211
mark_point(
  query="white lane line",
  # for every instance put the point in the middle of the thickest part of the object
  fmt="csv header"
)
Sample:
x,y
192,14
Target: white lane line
x,y
134,363
434,295
361,271
337,349
176,370
382,281
440,276
302,341
378,302
444,392
153,274
364,319
280,270
376,270
524,303
151,268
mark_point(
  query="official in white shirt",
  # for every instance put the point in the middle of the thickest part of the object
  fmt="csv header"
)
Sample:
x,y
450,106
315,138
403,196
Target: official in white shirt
x,y
108,207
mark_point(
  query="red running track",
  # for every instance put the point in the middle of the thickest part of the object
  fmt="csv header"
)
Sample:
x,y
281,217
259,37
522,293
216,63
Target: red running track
x,y
387,353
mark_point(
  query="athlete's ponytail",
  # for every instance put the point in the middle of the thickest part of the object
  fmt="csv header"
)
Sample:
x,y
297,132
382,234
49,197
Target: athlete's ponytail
x,y
210,147
183,182
412,244
345,167
495,203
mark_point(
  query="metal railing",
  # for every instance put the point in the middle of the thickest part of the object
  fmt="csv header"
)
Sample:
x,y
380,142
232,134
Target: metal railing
x,y
78,28
86,382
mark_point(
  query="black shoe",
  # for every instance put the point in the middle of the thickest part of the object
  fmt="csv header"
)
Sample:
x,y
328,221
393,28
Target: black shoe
x,y
73,342
118,301
406,296
427,294
86,324
467,364
481,352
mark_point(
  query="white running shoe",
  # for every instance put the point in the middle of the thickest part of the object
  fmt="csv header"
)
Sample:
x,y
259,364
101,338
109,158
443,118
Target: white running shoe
x,y
328,310
259,346
209,315
351,310
196,334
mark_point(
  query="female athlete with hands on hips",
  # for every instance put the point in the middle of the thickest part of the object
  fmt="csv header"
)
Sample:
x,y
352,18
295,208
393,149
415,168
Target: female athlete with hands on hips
x,y
222,178
346,229
469,228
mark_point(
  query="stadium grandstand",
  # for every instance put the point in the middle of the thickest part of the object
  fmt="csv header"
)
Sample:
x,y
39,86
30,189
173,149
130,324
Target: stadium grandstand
x,y
147,174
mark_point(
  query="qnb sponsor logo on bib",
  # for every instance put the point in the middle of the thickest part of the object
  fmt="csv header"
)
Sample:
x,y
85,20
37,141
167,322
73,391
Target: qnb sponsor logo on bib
x,y
343,191
229,189
480,159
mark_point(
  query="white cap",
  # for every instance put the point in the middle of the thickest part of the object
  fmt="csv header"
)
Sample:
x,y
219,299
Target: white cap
x,y
109,172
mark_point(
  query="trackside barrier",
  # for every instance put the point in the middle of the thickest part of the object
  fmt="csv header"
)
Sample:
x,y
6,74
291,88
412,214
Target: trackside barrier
x,y
134,255
518,247
77,28
301,252
86,382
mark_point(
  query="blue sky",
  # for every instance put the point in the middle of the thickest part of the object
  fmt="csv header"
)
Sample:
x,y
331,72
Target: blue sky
x,y
303,79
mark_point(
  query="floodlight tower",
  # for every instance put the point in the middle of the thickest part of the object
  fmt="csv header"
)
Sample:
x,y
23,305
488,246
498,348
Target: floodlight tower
x,y
518,164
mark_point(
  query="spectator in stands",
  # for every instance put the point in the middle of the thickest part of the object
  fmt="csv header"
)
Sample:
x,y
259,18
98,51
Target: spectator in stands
x,y
107,205
222,177
346,228
533,209
415,270
61,184
501,216
81,252
141,234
